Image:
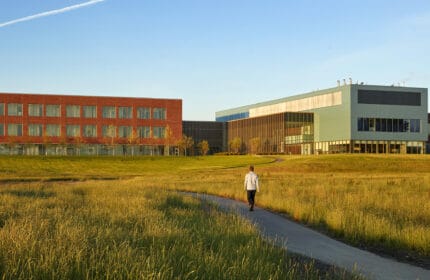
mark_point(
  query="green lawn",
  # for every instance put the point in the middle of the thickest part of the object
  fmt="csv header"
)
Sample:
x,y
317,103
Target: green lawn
x,y
79,168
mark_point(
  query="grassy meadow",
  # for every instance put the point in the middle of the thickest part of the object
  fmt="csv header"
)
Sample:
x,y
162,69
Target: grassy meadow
x,y
377,202
129,228
57,220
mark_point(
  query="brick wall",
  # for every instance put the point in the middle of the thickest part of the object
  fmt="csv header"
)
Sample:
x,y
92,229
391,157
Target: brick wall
x,y
173,116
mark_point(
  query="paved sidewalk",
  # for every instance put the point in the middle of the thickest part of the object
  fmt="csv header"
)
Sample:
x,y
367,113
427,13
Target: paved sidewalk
x,y
302,240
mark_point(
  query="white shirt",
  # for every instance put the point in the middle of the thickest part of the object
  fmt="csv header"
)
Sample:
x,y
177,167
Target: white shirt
x,y
251,182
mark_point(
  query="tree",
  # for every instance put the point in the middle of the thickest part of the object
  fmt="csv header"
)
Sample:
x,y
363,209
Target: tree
x,y
235,145
254,144
62,145
151,140
132,139
169,139
110,137
185,143
12,143
46,142
204,147
78,141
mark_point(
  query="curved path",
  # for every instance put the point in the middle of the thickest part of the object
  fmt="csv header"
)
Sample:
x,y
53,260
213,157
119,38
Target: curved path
x,y
302,240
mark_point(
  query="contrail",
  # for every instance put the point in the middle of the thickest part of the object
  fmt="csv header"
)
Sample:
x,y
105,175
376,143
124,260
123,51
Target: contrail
x,y
50,13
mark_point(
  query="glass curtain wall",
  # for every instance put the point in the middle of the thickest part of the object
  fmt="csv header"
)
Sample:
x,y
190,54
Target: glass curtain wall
x,y
286,133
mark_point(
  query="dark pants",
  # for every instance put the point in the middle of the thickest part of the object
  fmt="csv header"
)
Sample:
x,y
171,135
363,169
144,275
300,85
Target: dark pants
x,y
251,197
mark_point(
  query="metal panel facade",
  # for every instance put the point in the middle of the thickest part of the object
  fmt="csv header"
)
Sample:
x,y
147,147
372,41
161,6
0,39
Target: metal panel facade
x,y
387,111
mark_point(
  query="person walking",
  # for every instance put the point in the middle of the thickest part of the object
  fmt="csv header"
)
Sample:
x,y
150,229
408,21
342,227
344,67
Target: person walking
x,y
251,186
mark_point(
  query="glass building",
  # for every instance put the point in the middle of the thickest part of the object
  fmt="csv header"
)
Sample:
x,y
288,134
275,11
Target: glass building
x,y
290,133
213,132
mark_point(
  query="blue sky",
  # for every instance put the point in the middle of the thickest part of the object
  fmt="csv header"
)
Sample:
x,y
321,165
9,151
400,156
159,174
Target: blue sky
x,y
212,54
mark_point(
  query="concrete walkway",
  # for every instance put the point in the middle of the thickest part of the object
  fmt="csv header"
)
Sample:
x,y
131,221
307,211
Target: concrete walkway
x,y
304,241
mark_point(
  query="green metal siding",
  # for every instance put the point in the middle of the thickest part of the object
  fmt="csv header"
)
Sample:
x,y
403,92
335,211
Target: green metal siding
x,y
333,123
388,111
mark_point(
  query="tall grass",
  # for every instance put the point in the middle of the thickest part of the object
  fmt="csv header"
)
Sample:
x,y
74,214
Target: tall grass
x,y
126,230
377,202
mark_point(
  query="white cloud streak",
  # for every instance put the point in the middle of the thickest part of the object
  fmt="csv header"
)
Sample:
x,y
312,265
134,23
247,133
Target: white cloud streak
x,y
50,13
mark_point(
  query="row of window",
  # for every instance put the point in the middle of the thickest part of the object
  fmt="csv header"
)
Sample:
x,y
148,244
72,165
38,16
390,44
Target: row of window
x,y
90,111
389,125
54,130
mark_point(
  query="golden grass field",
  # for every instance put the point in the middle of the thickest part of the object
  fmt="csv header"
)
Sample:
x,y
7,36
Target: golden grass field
x,y
377,202
118,217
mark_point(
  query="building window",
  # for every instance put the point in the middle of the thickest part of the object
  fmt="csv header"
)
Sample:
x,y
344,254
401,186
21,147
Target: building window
x,y
53,111
388,125
53,130
389,98
158,131
159,113
90,131
35,110
144,113
73,111
14,109
360,124
144,132
73,130
90,112
35,130
243,115
1,129
303,104
109,131
125,112
14,129
109,112
406,125
1,109
124,131
415,125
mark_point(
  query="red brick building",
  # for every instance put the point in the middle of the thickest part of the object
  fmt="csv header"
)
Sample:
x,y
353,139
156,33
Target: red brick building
x,y
66,124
